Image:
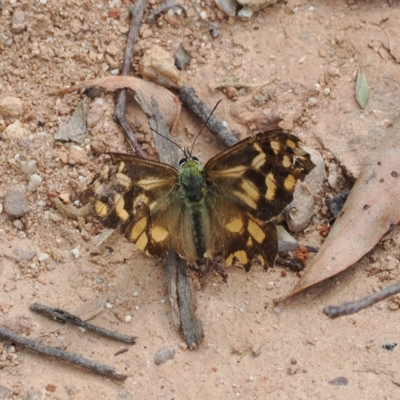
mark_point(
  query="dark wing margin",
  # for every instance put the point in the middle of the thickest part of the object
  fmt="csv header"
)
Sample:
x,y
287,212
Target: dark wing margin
x,y
260,173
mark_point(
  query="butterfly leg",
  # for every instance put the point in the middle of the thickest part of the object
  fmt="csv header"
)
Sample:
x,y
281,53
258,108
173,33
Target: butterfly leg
x,y
217,262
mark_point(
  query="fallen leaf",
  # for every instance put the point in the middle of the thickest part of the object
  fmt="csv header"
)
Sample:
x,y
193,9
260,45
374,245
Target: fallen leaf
x,y
169,104
76,129
362,88
371,209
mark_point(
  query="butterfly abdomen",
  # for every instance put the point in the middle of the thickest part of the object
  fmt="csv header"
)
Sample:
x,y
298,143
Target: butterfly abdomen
x,y
192,189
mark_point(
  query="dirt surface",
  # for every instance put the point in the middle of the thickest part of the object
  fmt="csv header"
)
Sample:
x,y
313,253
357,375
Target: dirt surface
x,y
307,55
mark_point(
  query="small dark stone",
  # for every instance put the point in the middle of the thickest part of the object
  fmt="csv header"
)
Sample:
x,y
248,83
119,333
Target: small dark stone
x,y
214,31
395,174
164,355
15,204
339,381
182,58
389,346
336,203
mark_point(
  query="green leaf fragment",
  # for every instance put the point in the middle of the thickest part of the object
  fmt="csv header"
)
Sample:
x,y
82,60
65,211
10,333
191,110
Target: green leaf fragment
x,y
362,88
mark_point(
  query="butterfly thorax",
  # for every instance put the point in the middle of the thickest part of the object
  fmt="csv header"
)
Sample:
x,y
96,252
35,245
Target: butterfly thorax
x,y
192,190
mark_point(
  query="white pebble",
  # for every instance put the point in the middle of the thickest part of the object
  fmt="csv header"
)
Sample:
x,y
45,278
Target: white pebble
x,y
34,182
109,305
203,15
162,301
135,294
28,167
128,318
245,13
43,1
1,208
114,72
333,179
327,91
277,310
312,101
42,257
75,252
136,307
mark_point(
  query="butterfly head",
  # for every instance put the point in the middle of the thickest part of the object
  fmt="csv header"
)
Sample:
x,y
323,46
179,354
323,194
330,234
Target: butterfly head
x,y
188,159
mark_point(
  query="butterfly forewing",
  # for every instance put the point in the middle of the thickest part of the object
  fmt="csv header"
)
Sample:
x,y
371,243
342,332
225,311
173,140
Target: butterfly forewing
x,y
138,197
259,174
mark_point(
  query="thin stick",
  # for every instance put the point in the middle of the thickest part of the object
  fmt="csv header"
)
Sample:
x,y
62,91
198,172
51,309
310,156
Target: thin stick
x,y
189,98
163,7
136,12
352,307
64,316
72,358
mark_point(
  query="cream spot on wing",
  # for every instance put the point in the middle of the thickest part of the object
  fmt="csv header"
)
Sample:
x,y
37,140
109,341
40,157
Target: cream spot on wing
x,y
142,242
290,182
105,172
123,179
249,242
275,146
271,187
151,183
142,198
96,186
138,228
229,261
158,233
290,143
246,199
241,256
250,189
121,166
262,260
234,225
256,232
119,207
152,205
286,161
259,160
235,172
100,208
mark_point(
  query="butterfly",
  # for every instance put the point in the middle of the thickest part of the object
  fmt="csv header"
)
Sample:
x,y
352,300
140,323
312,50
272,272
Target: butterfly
x,y
223,209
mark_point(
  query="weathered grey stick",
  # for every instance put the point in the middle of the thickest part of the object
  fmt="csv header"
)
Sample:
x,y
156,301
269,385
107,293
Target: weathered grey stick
x,y
64,316
136,12
352,307
71,358
164,7
189,98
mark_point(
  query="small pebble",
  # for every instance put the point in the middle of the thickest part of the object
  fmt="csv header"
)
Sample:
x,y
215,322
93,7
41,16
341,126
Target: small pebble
x,y
34,182
15,204
245,13
128,318
214,31
327,91
312,101
164,355
27,255
135,294
75,252
227,6
339,381
277,310
29,167
42,257
109,305
203,15
18,224
10,349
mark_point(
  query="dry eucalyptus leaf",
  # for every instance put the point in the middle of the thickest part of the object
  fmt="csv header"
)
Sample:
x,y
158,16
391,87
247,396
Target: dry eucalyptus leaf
x,y
170,105
76,128
371,209
362,88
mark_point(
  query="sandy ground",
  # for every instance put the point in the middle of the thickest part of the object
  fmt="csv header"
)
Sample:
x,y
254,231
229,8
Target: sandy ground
x,y
250,350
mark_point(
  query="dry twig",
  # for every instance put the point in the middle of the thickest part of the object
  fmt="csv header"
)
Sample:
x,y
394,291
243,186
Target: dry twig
x,y
71,358
164,7
136,11
64,316
353,307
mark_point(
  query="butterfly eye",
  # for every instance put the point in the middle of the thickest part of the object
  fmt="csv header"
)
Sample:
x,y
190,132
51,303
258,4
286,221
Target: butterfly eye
x,y
196,160
182,162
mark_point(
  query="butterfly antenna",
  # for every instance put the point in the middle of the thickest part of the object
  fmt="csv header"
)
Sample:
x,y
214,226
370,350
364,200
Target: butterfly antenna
x,y
169,140
204,125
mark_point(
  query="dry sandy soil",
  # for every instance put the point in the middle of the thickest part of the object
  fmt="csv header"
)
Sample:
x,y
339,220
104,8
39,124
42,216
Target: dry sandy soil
x,y
303,49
